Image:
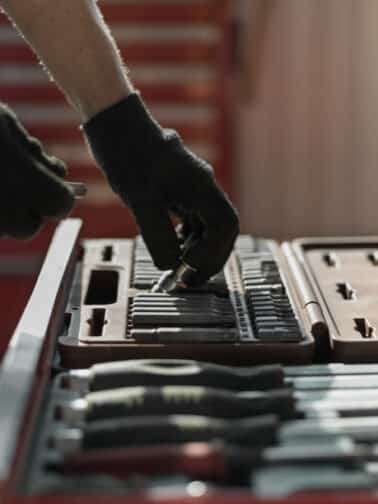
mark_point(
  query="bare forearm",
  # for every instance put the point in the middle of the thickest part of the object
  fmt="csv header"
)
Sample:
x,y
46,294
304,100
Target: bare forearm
x,y
74,44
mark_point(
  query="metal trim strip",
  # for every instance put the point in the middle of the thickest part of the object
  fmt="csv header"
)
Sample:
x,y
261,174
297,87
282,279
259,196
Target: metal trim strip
x,y
19,366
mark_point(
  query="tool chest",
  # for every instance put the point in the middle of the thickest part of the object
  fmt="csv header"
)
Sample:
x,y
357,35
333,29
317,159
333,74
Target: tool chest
x,y
262,384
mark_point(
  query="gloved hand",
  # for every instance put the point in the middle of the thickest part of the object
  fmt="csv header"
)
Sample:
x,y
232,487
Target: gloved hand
x,y
157,176
31,188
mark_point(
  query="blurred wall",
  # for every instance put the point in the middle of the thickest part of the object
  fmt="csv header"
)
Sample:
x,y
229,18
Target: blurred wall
x,y
308,135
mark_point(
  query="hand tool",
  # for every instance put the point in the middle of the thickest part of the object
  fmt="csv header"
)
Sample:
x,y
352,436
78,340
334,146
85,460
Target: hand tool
x,y
154,372
177,400
332,369
360,429
173,279
78,188
190,318
214,461
285,403
280,482
332,382
185,335
353,407
256,431
368,395
146,275
182,299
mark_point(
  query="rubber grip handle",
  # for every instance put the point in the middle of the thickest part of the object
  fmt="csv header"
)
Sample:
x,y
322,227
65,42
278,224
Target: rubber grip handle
x,y
160,372
183,400
257,431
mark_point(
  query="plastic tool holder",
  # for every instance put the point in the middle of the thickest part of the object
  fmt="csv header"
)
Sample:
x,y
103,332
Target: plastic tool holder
x,y
344,274
248,313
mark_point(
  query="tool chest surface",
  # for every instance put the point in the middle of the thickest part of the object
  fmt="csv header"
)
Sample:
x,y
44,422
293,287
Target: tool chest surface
x,y
261,384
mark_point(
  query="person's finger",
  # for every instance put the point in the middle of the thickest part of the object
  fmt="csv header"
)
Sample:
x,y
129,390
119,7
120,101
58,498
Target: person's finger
x,y
188,227
159,234
21,224
56,165
34,146
51,197
209,253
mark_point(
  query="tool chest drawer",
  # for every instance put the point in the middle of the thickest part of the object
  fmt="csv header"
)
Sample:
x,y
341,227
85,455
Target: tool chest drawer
x,y
231,392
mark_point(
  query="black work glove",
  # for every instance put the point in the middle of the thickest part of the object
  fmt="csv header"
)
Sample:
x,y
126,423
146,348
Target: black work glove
x,y
157,176
31,188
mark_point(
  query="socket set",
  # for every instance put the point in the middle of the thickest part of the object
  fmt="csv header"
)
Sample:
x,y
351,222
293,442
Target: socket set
x,y
248,313
229,427
309,299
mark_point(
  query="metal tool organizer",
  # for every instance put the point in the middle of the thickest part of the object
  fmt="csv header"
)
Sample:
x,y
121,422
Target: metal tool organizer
x,y
109,389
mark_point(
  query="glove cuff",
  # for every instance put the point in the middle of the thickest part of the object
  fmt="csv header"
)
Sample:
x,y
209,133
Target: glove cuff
x,y
127,127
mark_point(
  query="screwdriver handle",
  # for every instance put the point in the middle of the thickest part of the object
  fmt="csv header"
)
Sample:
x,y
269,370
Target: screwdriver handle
x,y
257,431
183,400
198,460
159,372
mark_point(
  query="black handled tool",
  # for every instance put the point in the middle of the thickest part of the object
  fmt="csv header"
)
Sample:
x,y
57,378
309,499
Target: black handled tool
x,y
178,400
155,372
256,431
208,460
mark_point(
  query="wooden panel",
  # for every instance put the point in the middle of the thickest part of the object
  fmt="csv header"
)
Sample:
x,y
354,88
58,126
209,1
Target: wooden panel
x,y
309,149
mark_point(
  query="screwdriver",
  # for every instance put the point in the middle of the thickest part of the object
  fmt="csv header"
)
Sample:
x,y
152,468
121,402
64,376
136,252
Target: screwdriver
x,y
285,403
256,431
322,381
181,400
275,483
155,372
214,460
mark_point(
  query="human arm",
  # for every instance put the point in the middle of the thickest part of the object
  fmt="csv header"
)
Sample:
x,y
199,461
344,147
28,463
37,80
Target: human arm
x,y
74,44
147,166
